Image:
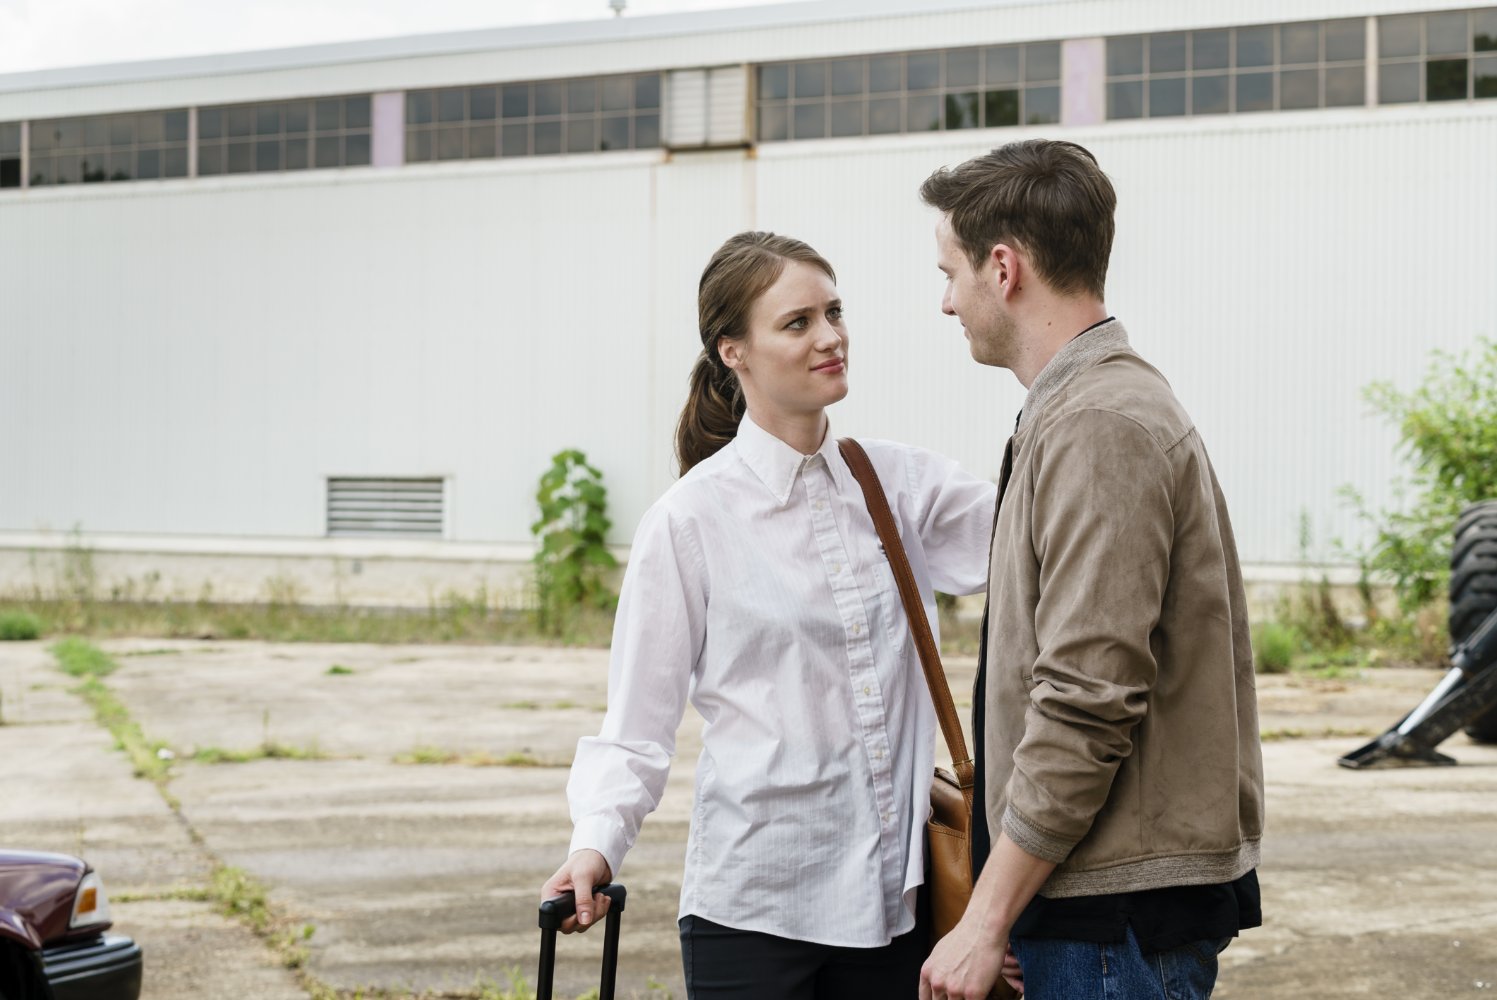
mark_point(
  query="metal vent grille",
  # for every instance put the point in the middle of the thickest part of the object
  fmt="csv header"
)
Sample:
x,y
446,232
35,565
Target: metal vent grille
x,y
385,507
708,108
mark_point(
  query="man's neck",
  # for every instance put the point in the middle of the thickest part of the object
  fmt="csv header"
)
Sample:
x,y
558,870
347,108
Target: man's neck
x,y
1052,326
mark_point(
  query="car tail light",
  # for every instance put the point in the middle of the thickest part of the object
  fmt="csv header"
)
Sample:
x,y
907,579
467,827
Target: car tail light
x,y
91,904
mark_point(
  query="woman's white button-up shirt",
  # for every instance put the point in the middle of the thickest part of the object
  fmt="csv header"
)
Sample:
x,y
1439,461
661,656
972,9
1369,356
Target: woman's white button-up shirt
x,y
757,587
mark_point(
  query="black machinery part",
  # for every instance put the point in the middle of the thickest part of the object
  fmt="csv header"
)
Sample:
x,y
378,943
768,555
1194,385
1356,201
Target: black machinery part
x,y
1473,590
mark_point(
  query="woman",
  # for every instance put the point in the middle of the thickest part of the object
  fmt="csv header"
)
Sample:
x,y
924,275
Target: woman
x,y
757,587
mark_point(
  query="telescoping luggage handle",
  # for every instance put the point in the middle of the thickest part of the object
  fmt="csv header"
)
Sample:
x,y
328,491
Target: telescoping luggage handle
x,y
557,909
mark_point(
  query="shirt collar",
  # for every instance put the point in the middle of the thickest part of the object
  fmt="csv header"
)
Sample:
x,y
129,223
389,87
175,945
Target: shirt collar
x,y
775,462
1084,350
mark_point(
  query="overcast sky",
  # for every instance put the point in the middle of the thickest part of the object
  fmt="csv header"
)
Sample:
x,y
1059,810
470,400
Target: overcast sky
x,y
44,34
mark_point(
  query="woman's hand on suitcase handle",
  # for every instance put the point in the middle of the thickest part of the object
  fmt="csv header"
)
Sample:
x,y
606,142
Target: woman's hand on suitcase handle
x,y
586,868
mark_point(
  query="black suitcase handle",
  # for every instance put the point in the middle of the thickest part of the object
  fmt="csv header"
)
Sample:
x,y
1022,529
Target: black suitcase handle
x,y
559,908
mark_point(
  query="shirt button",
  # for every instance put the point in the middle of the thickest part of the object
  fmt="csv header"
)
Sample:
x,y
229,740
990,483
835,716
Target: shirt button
x,y
836,567
878,755
856,628
868,690
820,505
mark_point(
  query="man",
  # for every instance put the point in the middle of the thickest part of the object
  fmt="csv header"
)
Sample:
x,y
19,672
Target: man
x,y
1120,779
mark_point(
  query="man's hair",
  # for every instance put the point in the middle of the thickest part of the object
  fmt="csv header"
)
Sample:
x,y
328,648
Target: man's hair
x,y
1047,196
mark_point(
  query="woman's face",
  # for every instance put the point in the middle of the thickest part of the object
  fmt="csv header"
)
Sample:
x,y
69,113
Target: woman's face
x,y
794,360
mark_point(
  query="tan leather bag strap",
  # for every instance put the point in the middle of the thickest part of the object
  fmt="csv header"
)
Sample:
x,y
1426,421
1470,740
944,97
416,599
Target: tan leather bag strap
x,y
914,608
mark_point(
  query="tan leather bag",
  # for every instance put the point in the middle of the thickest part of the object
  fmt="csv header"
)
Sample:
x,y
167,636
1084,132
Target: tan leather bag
x,y
950,826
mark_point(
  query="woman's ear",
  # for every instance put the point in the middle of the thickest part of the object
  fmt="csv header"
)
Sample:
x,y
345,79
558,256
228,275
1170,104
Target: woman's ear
x,y
732,353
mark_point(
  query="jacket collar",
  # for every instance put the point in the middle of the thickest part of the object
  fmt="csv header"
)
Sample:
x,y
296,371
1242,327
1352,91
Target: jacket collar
x,y
1085,350
776,464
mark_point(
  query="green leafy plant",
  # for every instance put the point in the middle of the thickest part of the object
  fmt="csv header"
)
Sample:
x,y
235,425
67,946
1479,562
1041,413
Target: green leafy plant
x,y
18,626
573,561
1274,646
1447,430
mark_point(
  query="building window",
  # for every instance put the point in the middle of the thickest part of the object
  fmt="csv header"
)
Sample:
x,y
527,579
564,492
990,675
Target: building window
x,y
284,135
1450,56
10,154
985,87
135,147
382,507
1284,67
533,118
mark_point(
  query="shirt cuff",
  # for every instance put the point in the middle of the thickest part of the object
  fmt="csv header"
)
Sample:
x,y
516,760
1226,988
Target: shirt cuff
x,y
602,835
1036,840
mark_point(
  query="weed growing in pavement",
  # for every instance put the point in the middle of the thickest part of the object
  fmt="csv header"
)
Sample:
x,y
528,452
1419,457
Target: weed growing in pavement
x,y
243,897
525,760
237,893
183,893
79,658
339,670
1327,733
427,754
265,751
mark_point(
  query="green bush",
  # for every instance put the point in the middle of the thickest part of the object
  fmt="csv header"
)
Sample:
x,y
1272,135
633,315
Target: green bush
x,y
1447,430
573,560
18,626
1274,646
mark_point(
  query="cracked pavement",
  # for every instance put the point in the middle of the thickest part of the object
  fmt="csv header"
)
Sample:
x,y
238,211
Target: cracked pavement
x,y
425,877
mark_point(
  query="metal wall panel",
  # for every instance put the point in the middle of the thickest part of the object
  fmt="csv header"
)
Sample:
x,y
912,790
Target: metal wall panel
x,y
197,358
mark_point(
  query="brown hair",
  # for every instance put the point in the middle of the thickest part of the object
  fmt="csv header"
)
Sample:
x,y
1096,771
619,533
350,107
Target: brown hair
x,y
739,272
1047,196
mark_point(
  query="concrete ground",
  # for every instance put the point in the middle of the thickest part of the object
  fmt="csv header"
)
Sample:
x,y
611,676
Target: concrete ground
x,y
424,876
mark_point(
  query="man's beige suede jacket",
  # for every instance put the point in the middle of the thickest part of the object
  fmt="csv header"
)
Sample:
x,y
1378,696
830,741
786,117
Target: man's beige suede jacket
x,y
1121,738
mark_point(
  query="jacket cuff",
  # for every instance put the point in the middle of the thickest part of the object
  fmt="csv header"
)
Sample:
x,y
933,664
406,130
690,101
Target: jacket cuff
x,y
1035,840
601,835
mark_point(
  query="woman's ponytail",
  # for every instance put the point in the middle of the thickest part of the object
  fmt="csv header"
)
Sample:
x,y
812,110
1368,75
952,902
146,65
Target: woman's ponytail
x,y
739,272
714,405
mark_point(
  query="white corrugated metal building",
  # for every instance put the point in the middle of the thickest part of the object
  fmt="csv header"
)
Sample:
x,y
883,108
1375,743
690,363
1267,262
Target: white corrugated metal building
x,y
203,356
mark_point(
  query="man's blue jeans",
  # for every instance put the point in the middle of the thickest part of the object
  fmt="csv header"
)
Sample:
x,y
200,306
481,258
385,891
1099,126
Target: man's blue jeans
x,y
1086,970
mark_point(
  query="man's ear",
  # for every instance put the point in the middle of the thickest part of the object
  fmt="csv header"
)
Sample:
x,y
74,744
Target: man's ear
x,y
1007,268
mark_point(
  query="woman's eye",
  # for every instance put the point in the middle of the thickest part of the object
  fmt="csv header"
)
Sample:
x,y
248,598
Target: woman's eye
x,y
834,313
799,323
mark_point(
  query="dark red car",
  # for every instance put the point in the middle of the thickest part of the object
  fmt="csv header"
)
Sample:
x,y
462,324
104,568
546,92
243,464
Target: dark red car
x,y
53,915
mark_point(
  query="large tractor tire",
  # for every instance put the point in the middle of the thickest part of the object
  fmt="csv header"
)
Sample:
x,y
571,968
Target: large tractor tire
x,y
1473,589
